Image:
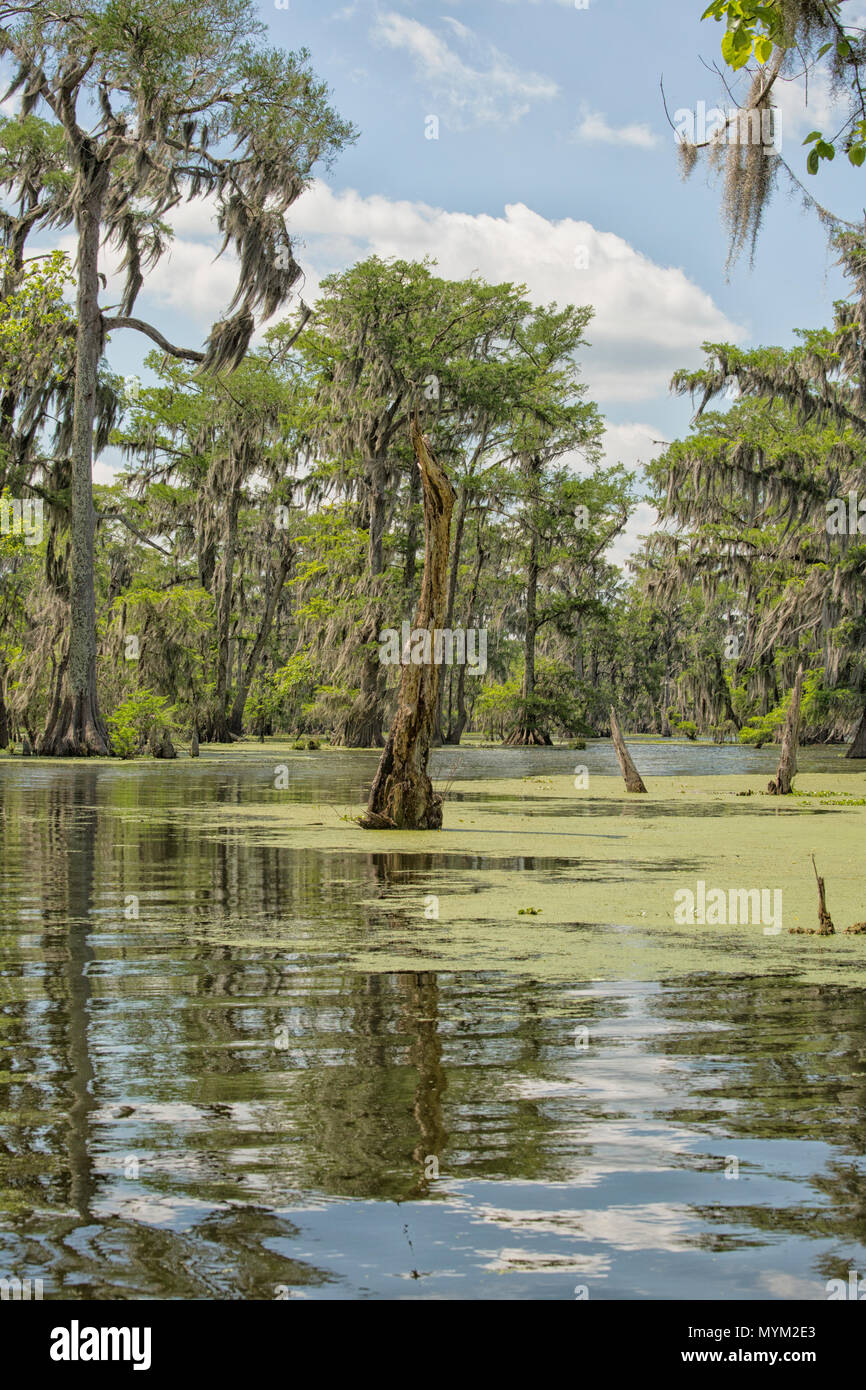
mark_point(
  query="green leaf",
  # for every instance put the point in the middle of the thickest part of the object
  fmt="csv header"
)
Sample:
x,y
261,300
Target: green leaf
x,y
857,154
736,47
814,135
843,49
728,46
825,48
763,49
813,161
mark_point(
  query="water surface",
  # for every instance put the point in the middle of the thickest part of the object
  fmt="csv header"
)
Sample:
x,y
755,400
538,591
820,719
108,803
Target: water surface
x,y
203,1096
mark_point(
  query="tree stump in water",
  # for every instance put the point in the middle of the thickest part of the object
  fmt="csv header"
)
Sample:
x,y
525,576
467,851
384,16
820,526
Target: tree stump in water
x,y
402,795
783,783
160,744
633,779
825,921
193,747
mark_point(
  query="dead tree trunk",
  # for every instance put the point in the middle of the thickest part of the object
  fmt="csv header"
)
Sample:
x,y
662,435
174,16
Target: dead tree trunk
x,y
858,747
782,785
825,921
402,795
633,779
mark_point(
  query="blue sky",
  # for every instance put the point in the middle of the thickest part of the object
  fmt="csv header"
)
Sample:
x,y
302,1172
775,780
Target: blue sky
x,y
554,166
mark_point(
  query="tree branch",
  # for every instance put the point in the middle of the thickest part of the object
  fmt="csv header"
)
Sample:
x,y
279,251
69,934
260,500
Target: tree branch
x,y
188,354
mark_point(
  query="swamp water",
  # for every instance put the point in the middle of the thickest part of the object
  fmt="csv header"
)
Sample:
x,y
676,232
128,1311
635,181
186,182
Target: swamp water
x,y
250,1051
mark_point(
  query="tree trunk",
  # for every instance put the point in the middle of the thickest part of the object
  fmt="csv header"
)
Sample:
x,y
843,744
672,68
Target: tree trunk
x,y
531,620
362,726
160,744
409,555
528,735
236,719
825,921
456,548
402,795
77,728
633,780
782,786
218,727
455,728
858,747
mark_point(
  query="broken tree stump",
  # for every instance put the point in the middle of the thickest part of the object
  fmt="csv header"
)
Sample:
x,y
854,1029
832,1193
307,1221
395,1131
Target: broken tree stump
x,y
402,795
782,785
633,779
825,921
160,744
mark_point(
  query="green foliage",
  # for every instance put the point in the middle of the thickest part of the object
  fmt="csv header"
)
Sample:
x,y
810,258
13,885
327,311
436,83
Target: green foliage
x,y
555,706
131,723
753,28
818,36
35,321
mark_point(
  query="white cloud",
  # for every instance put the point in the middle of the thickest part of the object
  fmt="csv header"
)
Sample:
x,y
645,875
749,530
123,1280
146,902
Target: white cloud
x,y
782,1285
495,92
105,472
804,108
631,444
643,519
595,129
190,280
649,319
